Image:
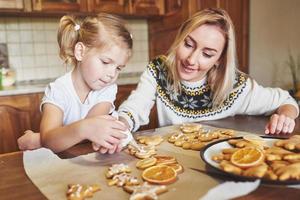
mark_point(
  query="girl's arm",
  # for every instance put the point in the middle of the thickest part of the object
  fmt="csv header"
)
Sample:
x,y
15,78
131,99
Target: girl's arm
x,y
58,137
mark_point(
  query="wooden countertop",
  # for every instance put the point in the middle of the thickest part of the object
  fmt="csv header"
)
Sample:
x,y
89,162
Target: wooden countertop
x,y
14,183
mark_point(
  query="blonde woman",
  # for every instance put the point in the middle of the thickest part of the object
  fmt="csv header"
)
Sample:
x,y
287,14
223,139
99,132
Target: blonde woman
x,y
78,106
198,80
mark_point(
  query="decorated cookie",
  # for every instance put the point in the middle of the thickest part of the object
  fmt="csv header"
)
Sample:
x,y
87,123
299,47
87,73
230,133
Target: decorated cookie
x,y
145,191
117,169
123,179
80,192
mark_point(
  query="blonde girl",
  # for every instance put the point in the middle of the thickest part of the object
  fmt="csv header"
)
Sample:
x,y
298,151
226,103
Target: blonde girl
x,y
79,105
198,80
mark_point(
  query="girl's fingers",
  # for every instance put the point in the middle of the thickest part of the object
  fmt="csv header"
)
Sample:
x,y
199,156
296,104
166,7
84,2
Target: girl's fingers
x,y
103,150
119,148
95,146
106,145
118,134
111,151
113,140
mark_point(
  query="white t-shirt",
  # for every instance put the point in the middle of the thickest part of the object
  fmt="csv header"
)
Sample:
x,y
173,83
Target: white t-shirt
x,y
62,94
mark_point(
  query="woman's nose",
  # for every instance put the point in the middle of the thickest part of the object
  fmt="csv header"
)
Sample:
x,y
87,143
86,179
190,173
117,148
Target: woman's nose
x,y
193,58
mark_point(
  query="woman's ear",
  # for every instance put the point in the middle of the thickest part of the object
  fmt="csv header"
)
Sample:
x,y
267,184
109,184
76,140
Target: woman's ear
x,y
79,51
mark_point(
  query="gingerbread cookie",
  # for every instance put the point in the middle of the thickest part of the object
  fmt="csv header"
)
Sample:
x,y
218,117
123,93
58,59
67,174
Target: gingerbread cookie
x,y
190,127
150,140
293,143
145,191
117,169
123,179
142,151
196,138
81,192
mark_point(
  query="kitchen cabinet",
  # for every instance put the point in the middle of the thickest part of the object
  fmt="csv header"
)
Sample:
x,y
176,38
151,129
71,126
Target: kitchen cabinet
x,y
17,114
162,32
11,6
59,5
21,112
144,8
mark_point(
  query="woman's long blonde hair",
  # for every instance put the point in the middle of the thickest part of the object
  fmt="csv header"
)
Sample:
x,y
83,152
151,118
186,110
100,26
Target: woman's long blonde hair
x,y
221,77
93,31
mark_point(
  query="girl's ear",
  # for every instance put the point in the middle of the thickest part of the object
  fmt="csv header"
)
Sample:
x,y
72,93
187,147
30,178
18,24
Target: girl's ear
x,y
79,51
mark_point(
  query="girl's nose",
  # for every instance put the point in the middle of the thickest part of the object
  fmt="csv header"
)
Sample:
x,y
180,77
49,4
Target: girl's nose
x,y
111,72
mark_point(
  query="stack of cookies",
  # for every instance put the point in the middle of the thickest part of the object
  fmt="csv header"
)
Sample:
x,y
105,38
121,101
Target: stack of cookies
x,y
254,159
194,137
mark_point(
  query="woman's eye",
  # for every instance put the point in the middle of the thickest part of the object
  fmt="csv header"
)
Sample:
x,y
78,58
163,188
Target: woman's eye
x,y
207,55
187,44
119,68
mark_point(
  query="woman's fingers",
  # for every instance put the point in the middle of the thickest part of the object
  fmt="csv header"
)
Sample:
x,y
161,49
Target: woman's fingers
x,y
280,124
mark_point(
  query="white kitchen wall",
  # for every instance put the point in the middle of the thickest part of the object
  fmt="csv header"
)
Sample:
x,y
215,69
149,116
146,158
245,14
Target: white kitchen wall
x,y
274,30
33,48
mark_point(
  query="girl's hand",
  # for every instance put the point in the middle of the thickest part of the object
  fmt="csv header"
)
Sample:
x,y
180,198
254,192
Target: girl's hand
x,y
104,131
280,124
103,150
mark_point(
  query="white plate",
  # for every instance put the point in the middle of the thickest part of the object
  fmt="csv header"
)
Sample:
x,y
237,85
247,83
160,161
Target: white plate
x,y
215,148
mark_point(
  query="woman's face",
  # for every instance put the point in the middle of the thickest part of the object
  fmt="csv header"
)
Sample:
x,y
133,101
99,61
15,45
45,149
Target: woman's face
x,y
199,52
100,68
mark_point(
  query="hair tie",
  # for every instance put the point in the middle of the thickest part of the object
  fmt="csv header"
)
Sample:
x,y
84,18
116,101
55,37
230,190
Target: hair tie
x,y
77,27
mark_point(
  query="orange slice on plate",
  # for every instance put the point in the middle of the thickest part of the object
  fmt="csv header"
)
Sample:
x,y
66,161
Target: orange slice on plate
x,y
160,174
247,157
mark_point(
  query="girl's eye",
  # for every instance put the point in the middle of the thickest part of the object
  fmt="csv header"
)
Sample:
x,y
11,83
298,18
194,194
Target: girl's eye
x,y
119,68
104,62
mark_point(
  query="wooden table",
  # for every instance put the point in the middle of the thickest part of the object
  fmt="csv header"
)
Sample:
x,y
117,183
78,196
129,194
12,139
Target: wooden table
x,y
14,183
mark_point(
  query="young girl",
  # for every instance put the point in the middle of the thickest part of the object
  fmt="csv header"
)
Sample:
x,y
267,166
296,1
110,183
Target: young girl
x,y
78,105
198,80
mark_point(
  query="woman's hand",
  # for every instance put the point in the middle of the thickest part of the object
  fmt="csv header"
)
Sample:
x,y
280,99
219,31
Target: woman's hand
x,y
280,124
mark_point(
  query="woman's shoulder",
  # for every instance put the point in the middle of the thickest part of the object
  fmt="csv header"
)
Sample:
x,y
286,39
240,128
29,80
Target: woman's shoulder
x,y
157,65
241,79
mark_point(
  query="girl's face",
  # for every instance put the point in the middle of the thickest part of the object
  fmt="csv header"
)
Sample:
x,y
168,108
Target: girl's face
x,y
100,68
199,52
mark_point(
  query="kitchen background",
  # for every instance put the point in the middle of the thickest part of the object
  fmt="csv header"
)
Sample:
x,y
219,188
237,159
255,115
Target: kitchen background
x,y
33,49
273,31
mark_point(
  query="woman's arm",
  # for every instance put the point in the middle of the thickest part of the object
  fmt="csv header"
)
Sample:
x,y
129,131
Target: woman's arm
x,y
283,121
136,109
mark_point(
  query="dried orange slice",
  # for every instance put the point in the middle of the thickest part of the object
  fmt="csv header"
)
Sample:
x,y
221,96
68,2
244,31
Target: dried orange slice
x,y
177,167
247,157
160,174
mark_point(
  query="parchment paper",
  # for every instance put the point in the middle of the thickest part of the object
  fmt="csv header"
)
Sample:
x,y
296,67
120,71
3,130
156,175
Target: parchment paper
x,y
52,174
